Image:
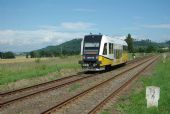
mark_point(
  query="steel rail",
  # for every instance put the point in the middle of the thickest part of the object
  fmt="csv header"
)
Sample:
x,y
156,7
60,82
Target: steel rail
x,y
102,103
62,104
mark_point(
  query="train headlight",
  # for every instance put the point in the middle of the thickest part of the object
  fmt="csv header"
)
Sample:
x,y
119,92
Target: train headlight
x,y
97,57
94,65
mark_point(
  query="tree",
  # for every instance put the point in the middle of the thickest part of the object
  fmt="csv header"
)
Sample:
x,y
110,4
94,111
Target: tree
x,y
27,55
150,49
129,41
141,49
33,54
8,55
168,42
1,55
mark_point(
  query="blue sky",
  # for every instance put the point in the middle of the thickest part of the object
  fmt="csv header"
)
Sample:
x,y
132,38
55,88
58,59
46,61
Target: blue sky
x,y
26,25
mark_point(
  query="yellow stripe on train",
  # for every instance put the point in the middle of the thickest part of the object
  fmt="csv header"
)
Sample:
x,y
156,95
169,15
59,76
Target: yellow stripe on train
x,y
106,61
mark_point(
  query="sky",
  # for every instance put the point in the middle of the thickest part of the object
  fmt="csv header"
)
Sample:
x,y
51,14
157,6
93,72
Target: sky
x,y
27,25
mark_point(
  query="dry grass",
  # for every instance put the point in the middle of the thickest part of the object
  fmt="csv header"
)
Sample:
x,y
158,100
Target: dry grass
x,y
19,59
17,69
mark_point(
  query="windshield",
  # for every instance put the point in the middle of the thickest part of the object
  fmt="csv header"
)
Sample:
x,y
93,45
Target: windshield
x,y
92,44
91,48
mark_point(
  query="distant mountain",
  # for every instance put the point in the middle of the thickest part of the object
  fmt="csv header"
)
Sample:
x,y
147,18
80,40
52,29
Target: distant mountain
x,y
73,47
147,42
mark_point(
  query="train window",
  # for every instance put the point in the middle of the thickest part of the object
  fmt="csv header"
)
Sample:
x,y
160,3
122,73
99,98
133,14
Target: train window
x,y
91,45
120,53
125,48
105,49
110,48
115,53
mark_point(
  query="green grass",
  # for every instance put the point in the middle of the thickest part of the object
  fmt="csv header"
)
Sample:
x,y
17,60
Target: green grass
x,y
135,102
106,111
74,87
12,72
130,57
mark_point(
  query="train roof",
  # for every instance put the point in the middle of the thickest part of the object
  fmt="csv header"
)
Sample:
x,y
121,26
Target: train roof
x,y
116,40
112,39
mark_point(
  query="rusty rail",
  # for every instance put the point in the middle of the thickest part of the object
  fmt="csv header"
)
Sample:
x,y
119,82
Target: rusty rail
x,y
62,104
101,104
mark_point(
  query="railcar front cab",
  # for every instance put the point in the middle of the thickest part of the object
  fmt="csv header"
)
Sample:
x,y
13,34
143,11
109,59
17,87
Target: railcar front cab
x,y
98,52
90,49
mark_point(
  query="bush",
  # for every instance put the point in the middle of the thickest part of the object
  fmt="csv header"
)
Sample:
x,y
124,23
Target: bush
x,y
7,55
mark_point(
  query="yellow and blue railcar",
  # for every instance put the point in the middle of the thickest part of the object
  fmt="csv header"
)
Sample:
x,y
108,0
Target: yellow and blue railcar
x,y
100,52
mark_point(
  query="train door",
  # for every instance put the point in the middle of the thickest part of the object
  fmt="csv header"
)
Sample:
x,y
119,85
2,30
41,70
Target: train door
x,y
115,56
105,50
111,54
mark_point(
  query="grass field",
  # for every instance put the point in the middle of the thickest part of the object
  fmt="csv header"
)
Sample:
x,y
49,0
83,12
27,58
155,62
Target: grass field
x,y
137,55
19,59
135,103
12,70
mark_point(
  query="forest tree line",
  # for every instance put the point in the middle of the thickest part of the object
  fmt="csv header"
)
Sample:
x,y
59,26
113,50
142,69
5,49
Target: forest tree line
x,y
146,46
7,55
72,47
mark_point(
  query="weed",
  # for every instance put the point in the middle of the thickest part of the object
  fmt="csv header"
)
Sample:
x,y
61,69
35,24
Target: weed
x,y
136,102
13,71
74,87
37,60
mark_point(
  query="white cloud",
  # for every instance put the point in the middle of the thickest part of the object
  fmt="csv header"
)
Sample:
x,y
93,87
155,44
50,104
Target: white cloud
x,y
77,25
119,37
158,26
27,40
166,37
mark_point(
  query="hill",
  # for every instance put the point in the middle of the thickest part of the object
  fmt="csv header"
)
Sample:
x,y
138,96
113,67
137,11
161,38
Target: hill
x,y
72,47
149,46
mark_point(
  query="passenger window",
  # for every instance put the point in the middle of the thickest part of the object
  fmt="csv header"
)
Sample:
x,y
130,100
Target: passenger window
x,y
110,48
115,53
125,48
105,49
121,52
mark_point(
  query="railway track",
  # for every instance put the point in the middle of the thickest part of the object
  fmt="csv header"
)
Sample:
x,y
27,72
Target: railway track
x,y
13,96
113,94
35,86
53,81
74,98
